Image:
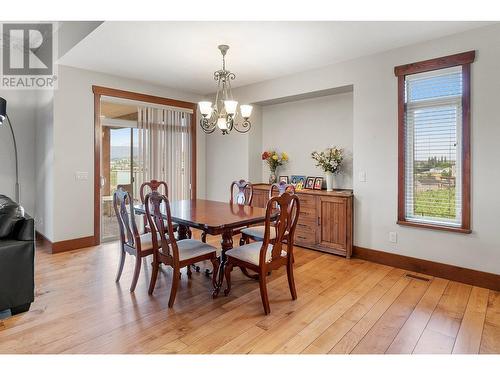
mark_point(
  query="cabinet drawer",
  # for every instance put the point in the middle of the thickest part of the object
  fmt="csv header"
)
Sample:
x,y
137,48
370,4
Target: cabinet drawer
x,y
307,200
313,221
306,226
308,213
304,237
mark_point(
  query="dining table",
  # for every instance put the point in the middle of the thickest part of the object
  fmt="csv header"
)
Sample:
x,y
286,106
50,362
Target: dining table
x,y
214,218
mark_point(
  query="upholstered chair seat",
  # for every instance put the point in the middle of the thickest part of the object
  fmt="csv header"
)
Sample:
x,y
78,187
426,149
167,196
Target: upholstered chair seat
x,y
251,252
147,241
258,232
192,248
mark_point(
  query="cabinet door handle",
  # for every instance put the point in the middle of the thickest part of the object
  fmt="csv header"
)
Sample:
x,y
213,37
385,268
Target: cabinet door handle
x,y
319,220
302,237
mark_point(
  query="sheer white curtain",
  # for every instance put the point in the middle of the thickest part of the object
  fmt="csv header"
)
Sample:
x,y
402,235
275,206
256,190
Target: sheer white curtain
x,y
164,149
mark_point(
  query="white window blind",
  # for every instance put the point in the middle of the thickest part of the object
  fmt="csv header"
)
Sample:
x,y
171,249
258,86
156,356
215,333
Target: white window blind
x,y
433,123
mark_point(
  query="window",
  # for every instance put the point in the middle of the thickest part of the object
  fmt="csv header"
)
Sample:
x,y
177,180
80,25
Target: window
x,y
434,143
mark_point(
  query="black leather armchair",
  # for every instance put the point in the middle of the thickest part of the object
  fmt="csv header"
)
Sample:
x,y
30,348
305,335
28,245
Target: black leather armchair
x,y
17,253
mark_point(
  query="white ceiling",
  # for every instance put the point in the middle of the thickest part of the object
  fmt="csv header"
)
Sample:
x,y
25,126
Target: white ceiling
x,y
184,55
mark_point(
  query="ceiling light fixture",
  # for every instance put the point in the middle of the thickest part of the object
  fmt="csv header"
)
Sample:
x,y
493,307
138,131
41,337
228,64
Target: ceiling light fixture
x,y
223,112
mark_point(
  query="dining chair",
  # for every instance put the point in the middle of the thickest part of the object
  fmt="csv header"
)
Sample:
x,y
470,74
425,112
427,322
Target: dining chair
x,y
256,233
167,250
264,256
131,241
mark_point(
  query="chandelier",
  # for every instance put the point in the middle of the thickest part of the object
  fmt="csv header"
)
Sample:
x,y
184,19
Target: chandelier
x,y
223,112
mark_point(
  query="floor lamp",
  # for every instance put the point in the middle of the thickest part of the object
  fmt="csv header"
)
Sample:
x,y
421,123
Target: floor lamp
x,y
3,116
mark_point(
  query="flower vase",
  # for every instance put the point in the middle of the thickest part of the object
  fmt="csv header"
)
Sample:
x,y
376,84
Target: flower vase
x,y
329,181
273,178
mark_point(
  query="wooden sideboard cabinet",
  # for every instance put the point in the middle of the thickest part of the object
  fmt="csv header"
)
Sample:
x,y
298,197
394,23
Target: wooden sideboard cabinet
x,y
325,219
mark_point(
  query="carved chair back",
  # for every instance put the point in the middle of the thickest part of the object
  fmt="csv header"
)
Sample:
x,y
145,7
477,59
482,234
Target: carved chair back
x,y
153,185
244,195
126,187
157,205
124,210
281,187
288,207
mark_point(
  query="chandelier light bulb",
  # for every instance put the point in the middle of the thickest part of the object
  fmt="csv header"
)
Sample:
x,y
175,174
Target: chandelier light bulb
x,y
230,106
246,110
205,108
222,123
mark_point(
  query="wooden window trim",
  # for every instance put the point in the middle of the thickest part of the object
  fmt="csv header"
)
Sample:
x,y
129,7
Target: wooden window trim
x,y
464,60
106,91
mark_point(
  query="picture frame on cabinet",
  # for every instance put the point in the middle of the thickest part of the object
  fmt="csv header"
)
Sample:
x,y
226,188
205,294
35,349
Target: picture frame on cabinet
x,y
284,179
295,179
299,182
318,183
310,182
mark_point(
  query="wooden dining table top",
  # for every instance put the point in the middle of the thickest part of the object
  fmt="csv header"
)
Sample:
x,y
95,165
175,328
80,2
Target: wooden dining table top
x,y
214,217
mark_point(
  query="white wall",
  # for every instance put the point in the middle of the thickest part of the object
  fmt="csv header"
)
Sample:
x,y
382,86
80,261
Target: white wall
x,y
300,127
227,160
44,165
74,146
375,147
21,110
255,145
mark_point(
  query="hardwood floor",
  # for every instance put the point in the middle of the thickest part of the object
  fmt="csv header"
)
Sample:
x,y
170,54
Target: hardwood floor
x,y
343,306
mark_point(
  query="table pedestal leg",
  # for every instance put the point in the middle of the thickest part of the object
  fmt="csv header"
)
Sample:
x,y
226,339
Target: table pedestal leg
x,y
226,244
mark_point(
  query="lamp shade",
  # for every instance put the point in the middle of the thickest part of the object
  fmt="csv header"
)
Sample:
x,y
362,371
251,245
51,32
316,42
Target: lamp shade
x,y
3,109
205,108
231,106
246,110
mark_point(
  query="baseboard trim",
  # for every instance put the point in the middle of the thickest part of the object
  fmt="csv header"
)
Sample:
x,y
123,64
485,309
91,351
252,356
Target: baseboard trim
x,y
73,244
446,271
62,246
43,241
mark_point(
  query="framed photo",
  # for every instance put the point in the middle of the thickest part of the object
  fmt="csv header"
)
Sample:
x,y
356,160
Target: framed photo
x,y
284,179
296,179
318,183
299,182
310,183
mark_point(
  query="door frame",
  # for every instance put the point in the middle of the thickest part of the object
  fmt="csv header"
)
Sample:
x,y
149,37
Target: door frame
x,y
100,91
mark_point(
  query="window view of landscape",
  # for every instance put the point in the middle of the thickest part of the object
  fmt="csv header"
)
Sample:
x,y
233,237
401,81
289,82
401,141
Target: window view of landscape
x,y
435,188
122,170
433,117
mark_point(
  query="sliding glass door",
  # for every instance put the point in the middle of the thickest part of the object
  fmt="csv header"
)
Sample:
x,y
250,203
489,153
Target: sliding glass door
x,y
118,170
141,142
